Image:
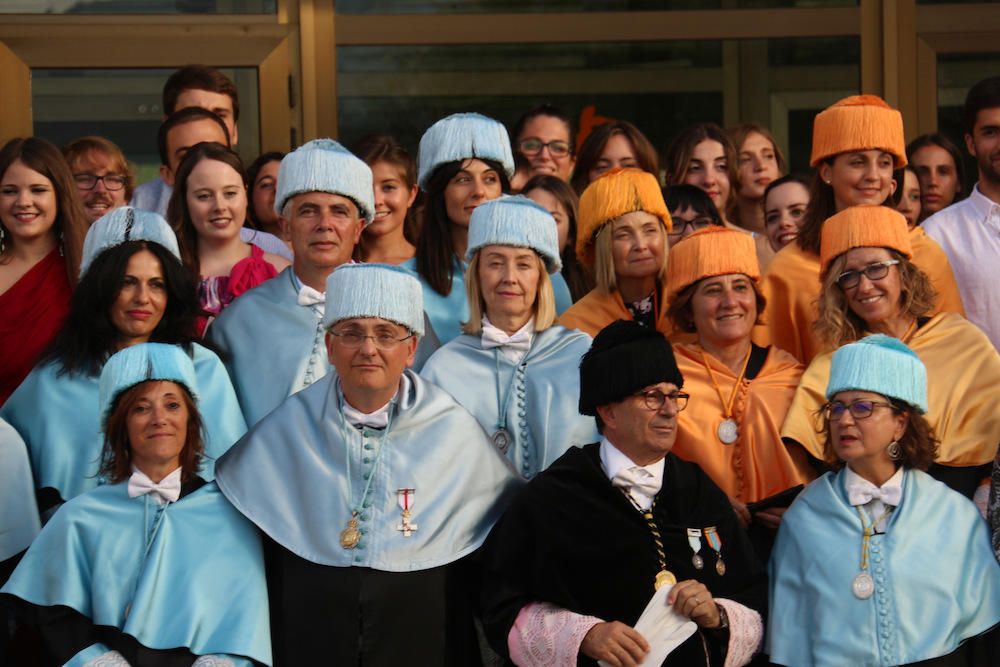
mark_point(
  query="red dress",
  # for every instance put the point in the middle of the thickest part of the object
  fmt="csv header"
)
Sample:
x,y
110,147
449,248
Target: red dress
x,y
217,292
31,313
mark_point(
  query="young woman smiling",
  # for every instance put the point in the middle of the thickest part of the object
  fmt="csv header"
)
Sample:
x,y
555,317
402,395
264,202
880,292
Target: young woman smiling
x,y
390,238
208,208
42,224
857,146
465,160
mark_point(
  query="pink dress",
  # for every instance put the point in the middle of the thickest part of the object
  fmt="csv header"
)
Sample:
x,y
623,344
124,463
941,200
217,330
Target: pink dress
x,y
217,292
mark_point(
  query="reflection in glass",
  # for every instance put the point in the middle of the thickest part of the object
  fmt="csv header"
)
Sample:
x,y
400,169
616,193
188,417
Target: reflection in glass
x,y
540,6
659,86
138,7
124,105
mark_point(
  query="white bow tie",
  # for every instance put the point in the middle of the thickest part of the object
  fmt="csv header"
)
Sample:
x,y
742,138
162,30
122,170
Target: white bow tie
x,y
310,297
637,479
167,491
862,494
494,337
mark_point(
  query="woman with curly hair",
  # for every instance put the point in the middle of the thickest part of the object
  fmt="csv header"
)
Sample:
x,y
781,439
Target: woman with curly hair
x,y
871,285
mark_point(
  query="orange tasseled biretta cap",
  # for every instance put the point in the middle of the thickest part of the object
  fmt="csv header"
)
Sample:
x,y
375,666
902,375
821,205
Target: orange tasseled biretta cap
x,y
858,123
712,251
865,226
612,195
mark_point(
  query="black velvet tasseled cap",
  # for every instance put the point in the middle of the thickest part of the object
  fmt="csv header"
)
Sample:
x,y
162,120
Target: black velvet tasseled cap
x,y
623,359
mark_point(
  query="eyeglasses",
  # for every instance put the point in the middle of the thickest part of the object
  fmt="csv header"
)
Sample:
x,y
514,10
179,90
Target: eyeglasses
x,y
681,225
654,399
534,147
382,340
874,271
859,409
89,181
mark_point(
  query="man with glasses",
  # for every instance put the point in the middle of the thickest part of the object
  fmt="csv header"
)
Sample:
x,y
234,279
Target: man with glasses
x,y
572,564
544,136
373,488
104,179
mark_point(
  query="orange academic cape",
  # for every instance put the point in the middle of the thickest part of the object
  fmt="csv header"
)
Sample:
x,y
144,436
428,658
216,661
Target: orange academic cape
x,y
963,392
758,464
597,310
792,286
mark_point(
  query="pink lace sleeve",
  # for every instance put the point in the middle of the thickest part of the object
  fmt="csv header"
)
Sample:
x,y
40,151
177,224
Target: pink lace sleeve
x,y
746,632
544,634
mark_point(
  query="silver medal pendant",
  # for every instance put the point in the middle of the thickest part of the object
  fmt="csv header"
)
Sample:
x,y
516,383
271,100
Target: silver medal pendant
x,y
697,561
863,586
501,440
728,431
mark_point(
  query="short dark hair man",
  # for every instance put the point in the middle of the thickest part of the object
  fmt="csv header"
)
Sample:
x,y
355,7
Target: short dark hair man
x,y
969,231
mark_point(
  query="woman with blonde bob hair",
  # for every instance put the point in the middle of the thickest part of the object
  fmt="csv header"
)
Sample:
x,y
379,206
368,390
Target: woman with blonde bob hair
x,y
871,285
877,563
740,392
523,366
623,226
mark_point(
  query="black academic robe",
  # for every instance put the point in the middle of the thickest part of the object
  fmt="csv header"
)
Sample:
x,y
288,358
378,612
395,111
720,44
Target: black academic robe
x,y
572,539
329,615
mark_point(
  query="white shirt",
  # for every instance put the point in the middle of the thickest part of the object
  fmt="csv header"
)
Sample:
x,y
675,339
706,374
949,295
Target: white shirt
x,y
612,461
875,508
969,233
515,346
378,418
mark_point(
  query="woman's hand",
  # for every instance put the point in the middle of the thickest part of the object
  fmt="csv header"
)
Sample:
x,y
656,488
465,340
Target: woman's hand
x,y
742,513
690,598
771,517
615,643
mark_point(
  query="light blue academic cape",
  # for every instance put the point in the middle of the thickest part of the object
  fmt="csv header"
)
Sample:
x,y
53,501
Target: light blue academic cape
x,y
314,467
199,585
18,511
542,412
446,313
272,346
58,417
936,580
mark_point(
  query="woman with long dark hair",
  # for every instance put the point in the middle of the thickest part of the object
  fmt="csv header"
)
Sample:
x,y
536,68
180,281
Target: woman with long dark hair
x,y
133,289
464,160
42,224
207,210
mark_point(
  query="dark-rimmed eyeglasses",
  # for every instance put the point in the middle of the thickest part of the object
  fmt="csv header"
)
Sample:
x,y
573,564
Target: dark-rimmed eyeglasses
x,y
654,399
859,409
89,181
874,271
557,148
382,340
680,226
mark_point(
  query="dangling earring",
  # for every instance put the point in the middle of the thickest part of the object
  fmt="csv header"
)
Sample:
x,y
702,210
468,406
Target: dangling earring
x,y
894,451
2,239
61,253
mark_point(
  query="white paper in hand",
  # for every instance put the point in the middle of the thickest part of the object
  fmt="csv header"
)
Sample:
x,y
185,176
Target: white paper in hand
x,y
663,628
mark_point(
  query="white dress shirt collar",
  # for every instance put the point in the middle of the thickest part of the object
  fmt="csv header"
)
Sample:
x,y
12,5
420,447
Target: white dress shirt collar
x,y
377,419
613,461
